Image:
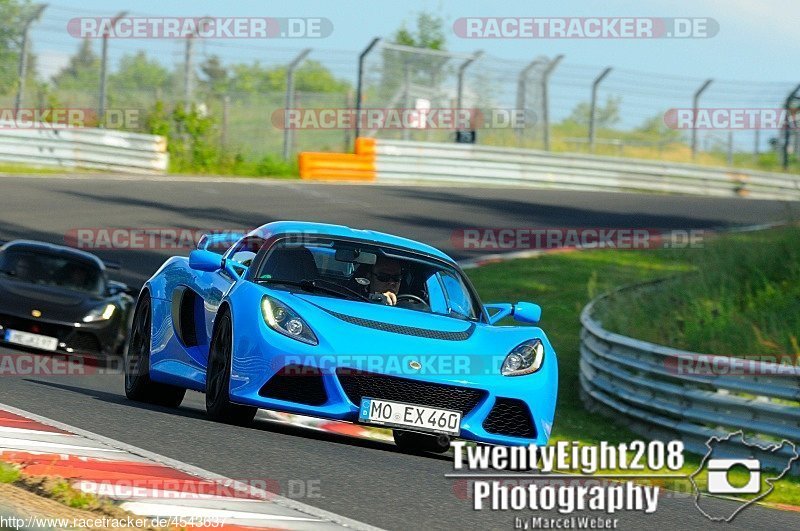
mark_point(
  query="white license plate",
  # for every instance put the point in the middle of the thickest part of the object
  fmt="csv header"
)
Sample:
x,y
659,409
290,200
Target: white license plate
x,y
420,418
31,340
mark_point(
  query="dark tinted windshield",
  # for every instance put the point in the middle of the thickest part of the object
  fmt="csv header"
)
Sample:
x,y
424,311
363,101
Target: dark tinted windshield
x,y
348,269
35,267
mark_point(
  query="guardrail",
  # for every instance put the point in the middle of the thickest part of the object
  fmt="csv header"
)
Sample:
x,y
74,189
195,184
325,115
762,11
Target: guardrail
x,y
652,389
100,149
425,161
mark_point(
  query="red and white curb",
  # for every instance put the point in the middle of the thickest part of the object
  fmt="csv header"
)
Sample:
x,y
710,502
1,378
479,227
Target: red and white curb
x,y
147,484
330,426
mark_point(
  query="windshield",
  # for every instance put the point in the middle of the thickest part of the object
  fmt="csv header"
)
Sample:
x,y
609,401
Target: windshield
x,y
370,274
47,269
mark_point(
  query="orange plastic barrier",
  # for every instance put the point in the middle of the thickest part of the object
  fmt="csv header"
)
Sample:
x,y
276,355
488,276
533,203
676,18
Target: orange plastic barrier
x,y
359,166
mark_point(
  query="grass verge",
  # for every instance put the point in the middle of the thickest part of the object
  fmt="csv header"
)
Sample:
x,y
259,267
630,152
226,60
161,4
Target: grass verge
x,y
743,300
563,283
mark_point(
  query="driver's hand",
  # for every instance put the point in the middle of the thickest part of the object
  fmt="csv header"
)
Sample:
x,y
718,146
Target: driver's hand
x,y
390,297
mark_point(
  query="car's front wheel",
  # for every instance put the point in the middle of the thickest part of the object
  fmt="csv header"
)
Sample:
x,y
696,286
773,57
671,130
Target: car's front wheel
x,y
415,443
218,378
138,385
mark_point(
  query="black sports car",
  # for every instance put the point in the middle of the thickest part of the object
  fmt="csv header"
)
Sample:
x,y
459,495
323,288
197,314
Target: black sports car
x,y
59,299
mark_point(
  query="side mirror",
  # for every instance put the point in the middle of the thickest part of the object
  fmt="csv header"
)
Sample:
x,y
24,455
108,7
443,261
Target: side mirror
x,y
203,260
498,311
527,312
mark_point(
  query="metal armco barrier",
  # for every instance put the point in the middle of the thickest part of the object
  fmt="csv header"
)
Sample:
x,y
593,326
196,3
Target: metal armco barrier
x,y
100,149
425,161
665,393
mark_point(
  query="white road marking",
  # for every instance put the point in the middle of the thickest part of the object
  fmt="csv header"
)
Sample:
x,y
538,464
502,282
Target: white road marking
x,y
280,501
166,511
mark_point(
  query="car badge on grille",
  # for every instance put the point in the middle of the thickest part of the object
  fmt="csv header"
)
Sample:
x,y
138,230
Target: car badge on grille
x,y
36,313
415,365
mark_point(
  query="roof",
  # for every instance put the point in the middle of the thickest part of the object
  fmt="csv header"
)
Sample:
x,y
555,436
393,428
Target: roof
x,y
342,231
55,249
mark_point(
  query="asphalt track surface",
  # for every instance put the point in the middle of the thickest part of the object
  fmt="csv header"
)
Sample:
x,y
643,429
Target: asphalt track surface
x,y
364,480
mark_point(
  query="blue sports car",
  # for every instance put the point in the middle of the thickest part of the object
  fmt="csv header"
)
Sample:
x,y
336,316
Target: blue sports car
x,y
344,324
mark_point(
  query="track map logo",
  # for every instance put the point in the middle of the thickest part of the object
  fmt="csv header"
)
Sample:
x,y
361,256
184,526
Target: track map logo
x,y
732,468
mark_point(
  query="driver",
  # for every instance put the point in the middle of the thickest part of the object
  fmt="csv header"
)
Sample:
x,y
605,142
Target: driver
x,y
385,280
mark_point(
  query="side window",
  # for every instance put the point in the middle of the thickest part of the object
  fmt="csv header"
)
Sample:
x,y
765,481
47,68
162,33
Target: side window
x,y
436,298
457,294
245,250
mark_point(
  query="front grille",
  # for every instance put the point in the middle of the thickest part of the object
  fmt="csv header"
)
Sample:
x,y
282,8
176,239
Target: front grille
x,y
407,330
79,341
83,342
296,383
36,327
358,384
510,417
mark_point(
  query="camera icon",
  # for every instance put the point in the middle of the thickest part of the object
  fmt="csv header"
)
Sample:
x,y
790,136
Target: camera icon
x,y
718,482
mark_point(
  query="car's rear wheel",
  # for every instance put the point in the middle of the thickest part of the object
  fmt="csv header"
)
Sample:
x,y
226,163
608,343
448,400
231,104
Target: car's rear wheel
x,y
218,378
414,442
138,385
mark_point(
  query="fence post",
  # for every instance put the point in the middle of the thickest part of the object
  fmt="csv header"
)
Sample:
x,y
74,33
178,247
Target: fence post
x,y
522,88
223,137
757,147
730,147
188,80
348,104
23,56
795,94
461,70
695,103
545,99
593,105
288,133
360,86
101,105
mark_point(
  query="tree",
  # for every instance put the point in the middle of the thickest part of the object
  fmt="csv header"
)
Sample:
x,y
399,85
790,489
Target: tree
x,y
82,72
429,33
311,76
605,115
136,72
215,75
655,127
12,13
404,68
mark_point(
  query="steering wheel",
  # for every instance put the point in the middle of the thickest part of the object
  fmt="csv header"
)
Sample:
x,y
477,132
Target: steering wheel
x,y
411,298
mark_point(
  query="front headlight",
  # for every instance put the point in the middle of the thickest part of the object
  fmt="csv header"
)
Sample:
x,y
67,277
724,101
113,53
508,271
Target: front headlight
x,y
283,319
524,359
101,313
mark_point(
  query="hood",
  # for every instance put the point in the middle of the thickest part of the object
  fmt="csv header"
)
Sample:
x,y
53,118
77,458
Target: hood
x,y
389,318
356,327
55,304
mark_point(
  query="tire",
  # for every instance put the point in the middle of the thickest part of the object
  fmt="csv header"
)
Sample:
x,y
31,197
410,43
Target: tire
x,y
138,385
417,443
218,378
